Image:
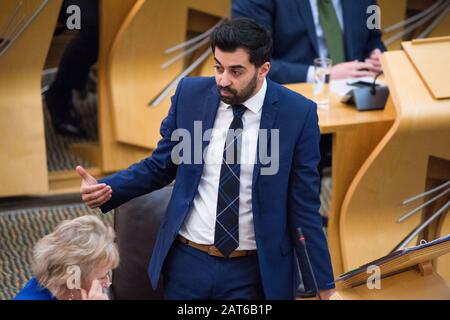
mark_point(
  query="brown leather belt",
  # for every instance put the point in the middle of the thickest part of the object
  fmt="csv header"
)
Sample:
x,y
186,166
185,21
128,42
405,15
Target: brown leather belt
x,y
213,251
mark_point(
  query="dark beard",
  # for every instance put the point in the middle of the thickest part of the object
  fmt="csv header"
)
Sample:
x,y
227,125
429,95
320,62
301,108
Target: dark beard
x,y
239,98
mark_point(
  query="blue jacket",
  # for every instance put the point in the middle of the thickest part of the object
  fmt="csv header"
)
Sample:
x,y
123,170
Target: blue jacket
x,y
34,291
295,41
281,202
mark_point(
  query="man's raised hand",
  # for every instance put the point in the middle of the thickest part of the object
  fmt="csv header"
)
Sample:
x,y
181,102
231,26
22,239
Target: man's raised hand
x,y
94,194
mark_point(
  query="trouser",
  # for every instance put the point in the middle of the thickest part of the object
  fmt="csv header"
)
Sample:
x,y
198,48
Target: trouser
x,y
190,274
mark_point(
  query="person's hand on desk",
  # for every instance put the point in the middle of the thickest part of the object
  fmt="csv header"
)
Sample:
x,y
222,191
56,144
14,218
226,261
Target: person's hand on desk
x,y
353,69
94,194
374,61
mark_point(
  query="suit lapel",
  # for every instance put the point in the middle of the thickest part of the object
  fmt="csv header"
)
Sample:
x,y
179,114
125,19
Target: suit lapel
x,y
209,112
305,11
269,114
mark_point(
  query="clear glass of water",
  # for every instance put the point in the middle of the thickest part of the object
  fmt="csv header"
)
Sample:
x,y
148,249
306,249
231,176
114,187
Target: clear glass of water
x,y
322,70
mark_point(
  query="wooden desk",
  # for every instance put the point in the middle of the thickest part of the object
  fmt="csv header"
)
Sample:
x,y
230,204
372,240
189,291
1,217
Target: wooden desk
x,y
378,162
340,116
413,157
355,136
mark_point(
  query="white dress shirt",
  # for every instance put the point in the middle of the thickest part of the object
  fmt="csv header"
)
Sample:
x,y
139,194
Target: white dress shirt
x,y
322,46
199,225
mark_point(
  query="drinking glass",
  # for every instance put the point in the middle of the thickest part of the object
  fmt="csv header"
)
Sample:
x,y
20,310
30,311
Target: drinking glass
x,y
322,70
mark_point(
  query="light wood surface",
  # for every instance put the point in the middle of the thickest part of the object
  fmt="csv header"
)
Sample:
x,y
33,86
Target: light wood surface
x,y
131,88
396,169
339,116
23,162
136,76
355,135
64,182
392,12
114,155
430,58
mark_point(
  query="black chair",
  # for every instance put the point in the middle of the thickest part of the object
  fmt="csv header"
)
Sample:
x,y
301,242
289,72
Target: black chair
x,y
137,224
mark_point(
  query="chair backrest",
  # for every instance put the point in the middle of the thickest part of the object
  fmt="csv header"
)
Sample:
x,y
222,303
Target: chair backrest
x,y
137,224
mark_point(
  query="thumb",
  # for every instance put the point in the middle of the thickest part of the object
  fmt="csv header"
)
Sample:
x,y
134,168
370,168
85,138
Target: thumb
x,y
85,175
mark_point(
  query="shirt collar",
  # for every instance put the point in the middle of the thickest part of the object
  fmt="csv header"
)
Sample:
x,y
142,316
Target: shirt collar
x,y
256,102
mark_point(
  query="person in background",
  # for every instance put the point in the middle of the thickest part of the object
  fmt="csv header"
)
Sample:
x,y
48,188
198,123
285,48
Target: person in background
x,y
303,30
81,251
73,70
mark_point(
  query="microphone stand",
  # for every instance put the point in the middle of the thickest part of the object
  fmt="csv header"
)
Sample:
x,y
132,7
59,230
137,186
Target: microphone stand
x,y
301,239
373,90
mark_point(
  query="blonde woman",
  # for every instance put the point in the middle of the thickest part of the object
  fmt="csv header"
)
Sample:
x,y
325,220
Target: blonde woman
x,y
73,262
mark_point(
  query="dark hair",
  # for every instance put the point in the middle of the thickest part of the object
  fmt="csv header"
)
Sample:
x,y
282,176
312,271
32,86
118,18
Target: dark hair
x,y
243,33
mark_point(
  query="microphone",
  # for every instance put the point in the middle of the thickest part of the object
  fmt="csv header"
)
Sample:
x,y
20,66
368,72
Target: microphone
x,y
373,89
301,239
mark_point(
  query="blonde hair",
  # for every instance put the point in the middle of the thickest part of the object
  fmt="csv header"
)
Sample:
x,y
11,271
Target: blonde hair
x,y
85,242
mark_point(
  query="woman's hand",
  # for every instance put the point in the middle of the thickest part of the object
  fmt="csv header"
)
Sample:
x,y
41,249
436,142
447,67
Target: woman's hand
x,y
95,293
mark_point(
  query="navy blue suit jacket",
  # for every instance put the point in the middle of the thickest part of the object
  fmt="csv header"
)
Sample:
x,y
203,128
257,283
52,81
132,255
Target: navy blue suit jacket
x,y
281,202
295,41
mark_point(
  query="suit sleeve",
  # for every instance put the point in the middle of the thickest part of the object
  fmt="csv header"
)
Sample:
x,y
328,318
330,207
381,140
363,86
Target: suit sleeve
x,y
285,72
150,174
304,205
262,11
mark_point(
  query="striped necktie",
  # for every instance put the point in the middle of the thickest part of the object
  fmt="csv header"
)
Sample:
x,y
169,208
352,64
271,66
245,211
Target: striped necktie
x,y
226,238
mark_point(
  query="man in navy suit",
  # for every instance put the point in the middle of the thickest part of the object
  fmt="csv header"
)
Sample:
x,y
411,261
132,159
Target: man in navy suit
x,y
230,227
303,30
